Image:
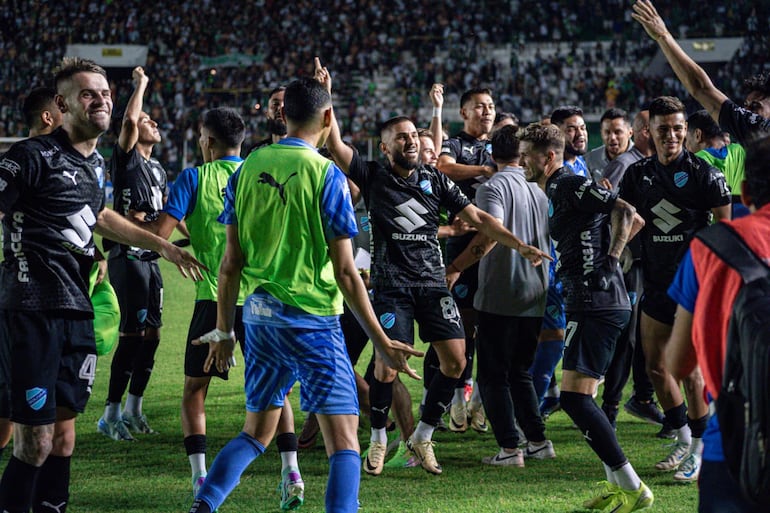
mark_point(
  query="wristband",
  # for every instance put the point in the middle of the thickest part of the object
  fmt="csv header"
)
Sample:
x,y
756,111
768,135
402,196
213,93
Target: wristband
x,y
436,112
215,336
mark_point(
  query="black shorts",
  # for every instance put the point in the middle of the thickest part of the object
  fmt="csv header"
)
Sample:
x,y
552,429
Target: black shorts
x,y
433,308
658,305
139,288
468,282
204,319
589,340
5,378
355,336
52,364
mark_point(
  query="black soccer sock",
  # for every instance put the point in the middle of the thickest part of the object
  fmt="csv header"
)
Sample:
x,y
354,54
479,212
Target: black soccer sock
x,y
143,364
122,364
286,442
17,486
470,351
438,399
430,366
52,490
676,417
595,426
195,444
698,426
380,397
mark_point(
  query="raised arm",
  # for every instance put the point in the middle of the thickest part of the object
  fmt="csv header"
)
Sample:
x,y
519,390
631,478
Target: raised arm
x,y
692,76
129,130
341,152
437,99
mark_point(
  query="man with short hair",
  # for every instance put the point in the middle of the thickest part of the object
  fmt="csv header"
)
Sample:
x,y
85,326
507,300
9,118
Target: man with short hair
x,y
616,132
590,226
276,125
675,192
508,330
569,119
46,317
705,289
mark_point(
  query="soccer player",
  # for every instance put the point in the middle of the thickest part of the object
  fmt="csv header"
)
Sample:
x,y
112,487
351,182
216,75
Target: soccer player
x,y
508,330
467,160
289,220
675,192
705,289
590,227
46,318
275,123
706,140
569,119
616,133
743,123
408,276
140,191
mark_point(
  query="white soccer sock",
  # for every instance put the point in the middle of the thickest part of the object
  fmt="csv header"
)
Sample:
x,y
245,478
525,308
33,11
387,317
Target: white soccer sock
x,y
289,460
475,402
696,447
684,435
626,478
608,473
197,464
459,397
424,396
423,432
112,412
133,407
379,435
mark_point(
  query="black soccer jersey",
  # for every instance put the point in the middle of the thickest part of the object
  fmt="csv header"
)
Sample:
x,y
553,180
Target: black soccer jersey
x,y
51,196
470,151
404,219
138,185
579,222
742,124
675,202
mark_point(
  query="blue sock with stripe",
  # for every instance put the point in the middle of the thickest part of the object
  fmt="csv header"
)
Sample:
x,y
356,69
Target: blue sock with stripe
x,y
344,478
225,472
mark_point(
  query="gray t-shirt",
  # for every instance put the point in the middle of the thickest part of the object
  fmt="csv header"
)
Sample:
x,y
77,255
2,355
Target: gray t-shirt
x,y
508,283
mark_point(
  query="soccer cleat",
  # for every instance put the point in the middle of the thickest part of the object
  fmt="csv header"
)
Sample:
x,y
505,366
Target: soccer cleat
x,y
603,498
626,501
543,451
458,418
689,469
678,451
197,482
292,489
477,418
401,459
116,430
505,459
647,411
138,424
666,432
375,458
423,451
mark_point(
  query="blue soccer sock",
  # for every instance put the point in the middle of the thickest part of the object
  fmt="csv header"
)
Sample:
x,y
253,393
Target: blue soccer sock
x,y
547,357
225,472
344,478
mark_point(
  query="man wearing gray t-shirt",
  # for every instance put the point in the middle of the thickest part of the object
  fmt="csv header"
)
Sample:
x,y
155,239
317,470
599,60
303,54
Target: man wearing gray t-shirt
x,y
510,301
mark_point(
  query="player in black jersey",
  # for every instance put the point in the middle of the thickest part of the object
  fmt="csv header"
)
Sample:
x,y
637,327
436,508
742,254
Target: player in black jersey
x,y
140,189
590,226
467,159
675,192
275,123
743,123
408,275
52,203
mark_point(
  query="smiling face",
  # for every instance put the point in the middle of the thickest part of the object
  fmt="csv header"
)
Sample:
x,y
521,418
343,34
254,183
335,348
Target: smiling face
x,y
428,152
758,103
401,145
86,101
478,115
616,133
148,130
668,133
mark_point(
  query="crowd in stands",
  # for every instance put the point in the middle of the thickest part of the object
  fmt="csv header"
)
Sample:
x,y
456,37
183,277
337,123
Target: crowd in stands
x,y
415,43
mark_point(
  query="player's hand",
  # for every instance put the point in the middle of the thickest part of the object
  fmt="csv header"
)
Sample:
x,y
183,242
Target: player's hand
x,y
533,254
322,75
187,264
626,260
437,95
221,346
395,356
101,271
648,17
605,183
601,278
451,278
460,227
138,75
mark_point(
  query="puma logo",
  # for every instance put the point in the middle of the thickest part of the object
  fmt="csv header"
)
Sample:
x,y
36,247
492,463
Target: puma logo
x,y
269,180
383,411
71,176
53,507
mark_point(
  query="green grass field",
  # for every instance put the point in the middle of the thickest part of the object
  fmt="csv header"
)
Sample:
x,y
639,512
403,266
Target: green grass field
x,y
153,475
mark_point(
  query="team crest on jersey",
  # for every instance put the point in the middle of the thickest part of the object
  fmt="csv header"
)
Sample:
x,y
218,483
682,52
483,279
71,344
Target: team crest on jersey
x,y
680,178
388,319
36,397
461,290
141,315
426,187
550,208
